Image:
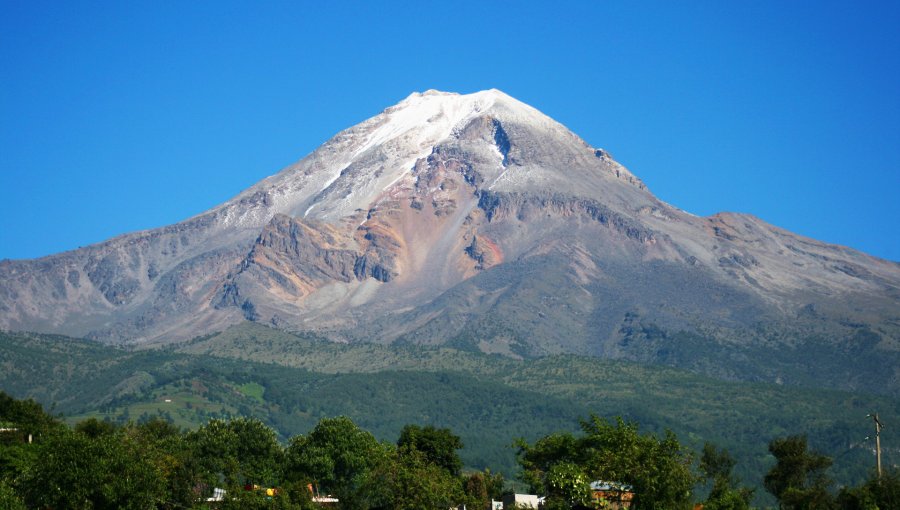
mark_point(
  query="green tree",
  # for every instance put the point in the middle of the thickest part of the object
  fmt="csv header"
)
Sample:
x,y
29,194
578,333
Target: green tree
x,y
717,465
547,451
482,487
259,500
214,447
659,469
23,418
567,486
337,455
439,446
76,471
232,453
26,415
877,493
886,488
9,500
798,479
856,498
406,479
15,457
259,455
92,427
174,458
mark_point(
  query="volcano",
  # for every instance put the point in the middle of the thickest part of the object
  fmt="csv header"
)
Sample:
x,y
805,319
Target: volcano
x,y
477,222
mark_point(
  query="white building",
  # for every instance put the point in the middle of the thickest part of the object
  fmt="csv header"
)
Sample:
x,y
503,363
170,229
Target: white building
x,y
521,501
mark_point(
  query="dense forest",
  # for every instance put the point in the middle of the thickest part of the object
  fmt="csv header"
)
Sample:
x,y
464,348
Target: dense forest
x,y
291,383
240,463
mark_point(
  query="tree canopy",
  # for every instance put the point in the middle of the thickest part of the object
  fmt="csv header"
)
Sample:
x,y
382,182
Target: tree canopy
x,y
437,445
336,455
658,469
717,465
798,479
153,464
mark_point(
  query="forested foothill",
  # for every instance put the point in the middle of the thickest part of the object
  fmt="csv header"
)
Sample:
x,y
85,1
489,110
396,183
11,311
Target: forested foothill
x,y
239,463
153,464
169,406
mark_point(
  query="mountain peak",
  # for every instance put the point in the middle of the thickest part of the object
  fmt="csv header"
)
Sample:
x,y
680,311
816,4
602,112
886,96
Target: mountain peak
x,y
446,94
352,170
434,108
468,218
423,106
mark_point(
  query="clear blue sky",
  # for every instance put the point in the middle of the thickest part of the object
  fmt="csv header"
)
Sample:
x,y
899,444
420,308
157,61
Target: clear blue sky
x,y
120,116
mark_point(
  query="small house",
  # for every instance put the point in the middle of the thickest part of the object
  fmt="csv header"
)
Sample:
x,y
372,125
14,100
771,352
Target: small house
x,y
522,501
615,495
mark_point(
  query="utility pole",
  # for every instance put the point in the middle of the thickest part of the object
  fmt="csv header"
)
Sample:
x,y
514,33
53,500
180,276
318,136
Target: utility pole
x,y
878,427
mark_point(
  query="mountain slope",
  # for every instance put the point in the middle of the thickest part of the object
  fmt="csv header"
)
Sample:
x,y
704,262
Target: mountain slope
x,y
477,220
291,382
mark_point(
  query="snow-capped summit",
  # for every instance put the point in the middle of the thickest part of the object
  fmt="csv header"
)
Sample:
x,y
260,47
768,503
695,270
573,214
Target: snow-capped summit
x,y
352,169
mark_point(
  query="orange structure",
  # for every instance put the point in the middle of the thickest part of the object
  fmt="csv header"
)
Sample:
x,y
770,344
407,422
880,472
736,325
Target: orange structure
x,y
612,495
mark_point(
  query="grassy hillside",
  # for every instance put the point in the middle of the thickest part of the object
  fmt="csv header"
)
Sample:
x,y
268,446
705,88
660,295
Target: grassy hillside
x,y
292,381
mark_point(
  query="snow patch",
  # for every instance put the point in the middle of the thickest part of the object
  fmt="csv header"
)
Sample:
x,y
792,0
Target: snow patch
x,y
444,113
408,166
503,168
402,134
